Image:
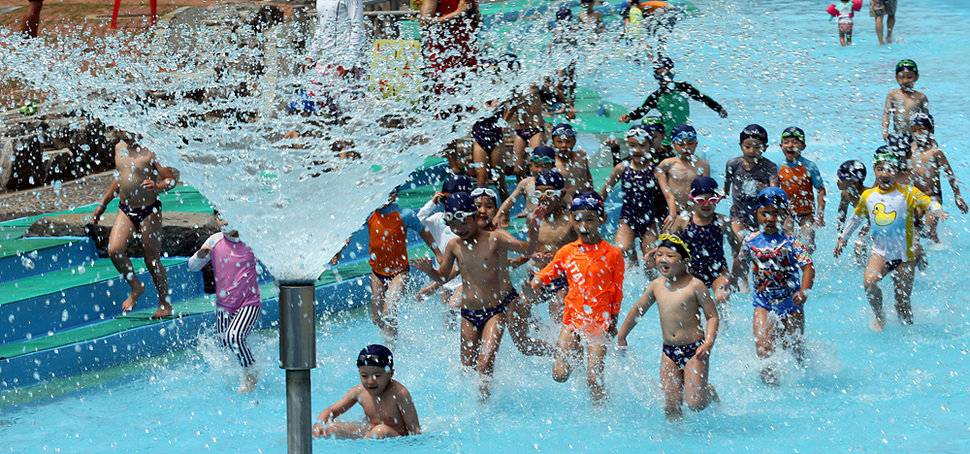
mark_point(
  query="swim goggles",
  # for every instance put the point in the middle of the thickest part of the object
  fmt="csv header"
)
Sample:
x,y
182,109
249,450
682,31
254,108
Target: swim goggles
x,y
638,132
459,216
703,200
676,241
483,191
547,193
793,134
564,130
582,203
542,159
887,158
683,136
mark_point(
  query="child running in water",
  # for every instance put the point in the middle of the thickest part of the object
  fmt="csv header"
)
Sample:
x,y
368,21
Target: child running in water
x,y
525,115
238,305
572,164
745,176
482,259
704,233
674,175
687,344
388,408
594,269
890,208
543,159
139,177
903,102
852,179
779,294
638,215
431,216
800,178
846,11
388,250
926,164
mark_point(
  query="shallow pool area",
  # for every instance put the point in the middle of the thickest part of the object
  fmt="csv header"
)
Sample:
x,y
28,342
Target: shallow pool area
x,y
772,62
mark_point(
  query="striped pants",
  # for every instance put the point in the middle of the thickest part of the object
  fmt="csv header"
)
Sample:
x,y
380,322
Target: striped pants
x,y
234,328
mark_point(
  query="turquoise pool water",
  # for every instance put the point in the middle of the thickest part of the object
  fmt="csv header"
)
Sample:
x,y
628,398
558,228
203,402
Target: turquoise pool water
x,y
770,62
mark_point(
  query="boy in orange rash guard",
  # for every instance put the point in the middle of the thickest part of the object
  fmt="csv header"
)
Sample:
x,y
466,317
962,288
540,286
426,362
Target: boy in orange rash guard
x,y
594,269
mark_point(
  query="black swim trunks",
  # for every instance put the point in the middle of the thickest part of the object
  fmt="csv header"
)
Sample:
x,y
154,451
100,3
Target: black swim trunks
x,y
480,317
137,215
387,278
681,354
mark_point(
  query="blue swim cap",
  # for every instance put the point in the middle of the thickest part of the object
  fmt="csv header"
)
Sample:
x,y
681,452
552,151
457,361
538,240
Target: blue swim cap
x,y
544,151
642,133
683,132
587,201
551,178
852,170
460,202
456,183
923,119
900,144
487,192
663,63
564,13
773,196
563,129
703,185
377,356
754,131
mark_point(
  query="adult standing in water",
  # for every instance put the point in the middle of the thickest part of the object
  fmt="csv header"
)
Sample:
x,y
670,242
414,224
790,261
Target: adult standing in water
x,y
450,31
336,54
879,8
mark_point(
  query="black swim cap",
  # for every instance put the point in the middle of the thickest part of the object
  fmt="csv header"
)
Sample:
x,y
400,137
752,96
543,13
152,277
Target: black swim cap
x,y
552,179
377,356
754,131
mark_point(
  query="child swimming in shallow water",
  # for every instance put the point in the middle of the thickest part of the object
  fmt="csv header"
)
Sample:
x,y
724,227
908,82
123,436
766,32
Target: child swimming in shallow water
x,y
594,270
388,408
680,299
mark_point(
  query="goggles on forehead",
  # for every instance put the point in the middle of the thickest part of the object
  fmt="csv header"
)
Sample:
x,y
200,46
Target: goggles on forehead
x,y
793,134
581,203
547,193
459,216
675,240
686,135
703,200
542,159
641,134
478,192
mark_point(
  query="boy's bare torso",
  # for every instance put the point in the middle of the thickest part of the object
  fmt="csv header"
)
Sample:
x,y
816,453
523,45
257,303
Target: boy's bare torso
x,y
555,232
680,174
483,264
575,171
135,165
925,172
385,411
902,105
679,308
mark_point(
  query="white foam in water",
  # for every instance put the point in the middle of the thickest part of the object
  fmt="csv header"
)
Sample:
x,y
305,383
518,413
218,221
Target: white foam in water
x,y
770,62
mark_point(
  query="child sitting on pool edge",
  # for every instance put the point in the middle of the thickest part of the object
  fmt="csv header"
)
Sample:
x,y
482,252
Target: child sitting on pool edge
x,y
680,298
388,408
594,269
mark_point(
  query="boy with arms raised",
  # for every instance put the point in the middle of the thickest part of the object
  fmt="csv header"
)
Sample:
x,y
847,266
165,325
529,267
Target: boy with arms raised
x,y
388,408
680,298
927,163
139,177
482,259
903,102
779,292
674,175
800,178
594,269
704,233
890,208
638,215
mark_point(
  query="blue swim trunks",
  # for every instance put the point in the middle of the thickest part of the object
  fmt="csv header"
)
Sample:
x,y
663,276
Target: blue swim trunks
x,y
783,307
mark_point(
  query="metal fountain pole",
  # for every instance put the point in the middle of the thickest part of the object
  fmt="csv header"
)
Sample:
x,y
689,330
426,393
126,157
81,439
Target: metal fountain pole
x,y
298,355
